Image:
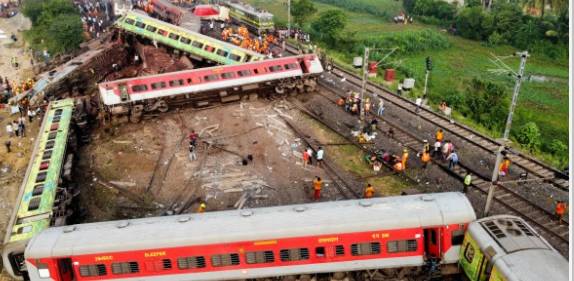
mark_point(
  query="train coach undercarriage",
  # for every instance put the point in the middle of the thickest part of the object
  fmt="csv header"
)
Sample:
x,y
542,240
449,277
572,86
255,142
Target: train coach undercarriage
x,y
134,111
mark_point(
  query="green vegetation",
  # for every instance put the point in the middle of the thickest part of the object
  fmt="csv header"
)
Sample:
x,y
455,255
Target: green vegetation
x,y
328,26
301,11
455,65
384,9
56,25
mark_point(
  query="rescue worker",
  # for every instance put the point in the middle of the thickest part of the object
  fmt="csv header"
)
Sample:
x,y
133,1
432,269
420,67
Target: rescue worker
x,y
453,160
317,186
439,135
426,146
467,182
405,158
560,210
425,158
504,167
201,208
398,167
369,191
305,158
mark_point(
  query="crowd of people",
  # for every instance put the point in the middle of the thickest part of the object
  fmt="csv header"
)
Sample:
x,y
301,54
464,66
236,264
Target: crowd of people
x,y
96,16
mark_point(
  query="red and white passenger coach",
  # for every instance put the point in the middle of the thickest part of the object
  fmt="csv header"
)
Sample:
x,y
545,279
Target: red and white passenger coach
x,y
231,78
240,244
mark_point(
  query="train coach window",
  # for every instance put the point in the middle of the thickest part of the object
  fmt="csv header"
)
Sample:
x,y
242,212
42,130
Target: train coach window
x,y
457,237
234,57
173,36
190,262
125,267
469,253
225,260
320,252
402,246
130,21
197,44
90,270
222,53
291,66
34,203
296,254
208,48
47,155
364,249
243,73
41,176
162,32
259,257
166,264
176,83
185,40
139,88
275,68
339,250
227,75
158,85
38,189
151,28
209,78
140,24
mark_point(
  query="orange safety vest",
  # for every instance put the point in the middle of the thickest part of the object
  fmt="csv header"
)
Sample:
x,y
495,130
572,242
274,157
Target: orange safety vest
x,y
560,209
369,192
439,136
317,185
425,157
398,167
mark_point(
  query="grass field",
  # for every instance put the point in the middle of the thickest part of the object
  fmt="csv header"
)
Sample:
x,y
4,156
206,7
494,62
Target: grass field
x,y
544,103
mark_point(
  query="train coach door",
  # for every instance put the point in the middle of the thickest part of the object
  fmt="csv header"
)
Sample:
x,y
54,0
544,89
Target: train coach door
x,y
432,242
65,269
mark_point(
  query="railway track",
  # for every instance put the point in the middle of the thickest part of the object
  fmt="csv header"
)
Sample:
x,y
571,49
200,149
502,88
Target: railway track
x,y
533,166
541,219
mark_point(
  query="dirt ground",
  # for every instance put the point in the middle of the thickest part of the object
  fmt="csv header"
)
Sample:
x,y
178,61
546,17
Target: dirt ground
x,y
148,164
9,49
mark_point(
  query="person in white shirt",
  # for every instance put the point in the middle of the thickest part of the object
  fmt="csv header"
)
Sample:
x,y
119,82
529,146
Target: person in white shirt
x,y
9,130
320,155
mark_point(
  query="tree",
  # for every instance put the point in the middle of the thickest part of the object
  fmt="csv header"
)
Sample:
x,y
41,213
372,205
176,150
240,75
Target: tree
x,y
329,25
32,9
301,11
529,136
56,25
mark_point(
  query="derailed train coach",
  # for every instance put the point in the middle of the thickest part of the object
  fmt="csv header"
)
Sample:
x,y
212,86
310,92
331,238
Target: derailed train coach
x,y
205,86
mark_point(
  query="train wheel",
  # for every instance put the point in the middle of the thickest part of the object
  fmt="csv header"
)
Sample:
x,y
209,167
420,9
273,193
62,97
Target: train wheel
x,y
162,106
279,90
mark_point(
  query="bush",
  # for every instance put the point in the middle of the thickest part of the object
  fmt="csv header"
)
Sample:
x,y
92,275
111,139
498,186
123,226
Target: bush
x,y
557,147
495,39
386,10
529,136
328,26
486,103
410,42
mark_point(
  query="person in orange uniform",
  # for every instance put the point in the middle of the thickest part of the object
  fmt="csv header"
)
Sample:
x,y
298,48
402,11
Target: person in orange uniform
x,y
201,208
504,167
560,211
369,191
398,166
425,158
439,135
405,158
317,186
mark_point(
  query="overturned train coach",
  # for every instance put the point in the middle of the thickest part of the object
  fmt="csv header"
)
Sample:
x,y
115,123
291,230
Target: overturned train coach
x,y
387,233
202,87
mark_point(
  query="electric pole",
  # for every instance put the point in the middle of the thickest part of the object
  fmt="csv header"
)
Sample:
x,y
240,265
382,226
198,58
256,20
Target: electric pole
x,y
518,80
289,17
428,69
364,83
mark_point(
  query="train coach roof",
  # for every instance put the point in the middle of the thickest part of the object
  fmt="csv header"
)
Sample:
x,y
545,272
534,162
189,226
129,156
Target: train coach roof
x,y
518,252
256,224
142,16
